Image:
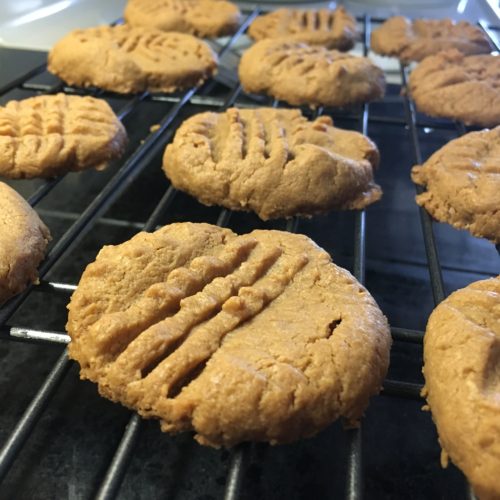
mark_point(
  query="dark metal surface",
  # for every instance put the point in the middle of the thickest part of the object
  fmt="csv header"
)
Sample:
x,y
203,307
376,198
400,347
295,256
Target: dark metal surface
x,y
427,226
82,446
118,467
30,417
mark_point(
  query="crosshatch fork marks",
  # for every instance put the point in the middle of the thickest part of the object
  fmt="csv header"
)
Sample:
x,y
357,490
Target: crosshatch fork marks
x,y
327,27
48,135
272,161
256,137
249,354
204,339
126,59
150,347
113,332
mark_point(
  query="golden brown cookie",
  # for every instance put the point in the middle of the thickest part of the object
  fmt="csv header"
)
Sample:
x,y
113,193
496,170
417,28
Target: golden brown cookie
x,y
125,59
413,40
335,29
23,240
462,182
257,337
299,73
204,18
465,88
462,382
49,135
272,161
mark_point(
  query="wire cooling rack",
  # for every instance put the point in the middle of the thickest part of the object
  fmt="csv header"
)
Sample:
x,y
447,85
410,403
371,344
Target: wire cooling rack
x,y
171,109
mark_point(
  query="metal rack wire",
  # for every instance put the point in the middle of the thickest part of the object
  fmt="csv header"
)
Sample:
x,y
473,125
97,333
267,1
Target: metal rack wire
x,y
113,190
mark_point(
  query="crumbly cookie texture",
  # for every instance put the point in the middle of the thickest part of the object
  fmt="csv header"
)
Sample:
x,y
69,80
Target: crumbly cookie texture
x,y
204,18
465,88
335,29
462,182
462,382
257,337
49,135
23,240
274,162
414,40
299,73
127,59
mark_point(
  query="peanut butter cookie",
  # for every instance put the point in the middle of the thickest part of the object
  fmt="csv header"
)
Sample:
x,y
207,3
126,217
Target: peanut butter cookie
x,y
466,88
462,382
299,73
237,338
204,18
125,59
49,135
413,40
272,161
462,182
23,240
335,29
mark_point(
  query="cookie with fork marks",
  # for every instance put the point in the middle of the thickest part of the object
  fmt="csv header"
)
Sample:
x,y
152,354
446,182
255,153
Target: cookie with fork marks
x,y
303,74
128,59
49,135
258,337
462,181
462,382
414,40
452,85
334,29
274,162
203,18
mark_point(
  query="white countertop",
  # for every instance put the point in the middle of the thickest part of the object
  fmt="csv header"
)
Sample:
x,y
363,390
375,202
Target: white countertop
x,y
38,24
